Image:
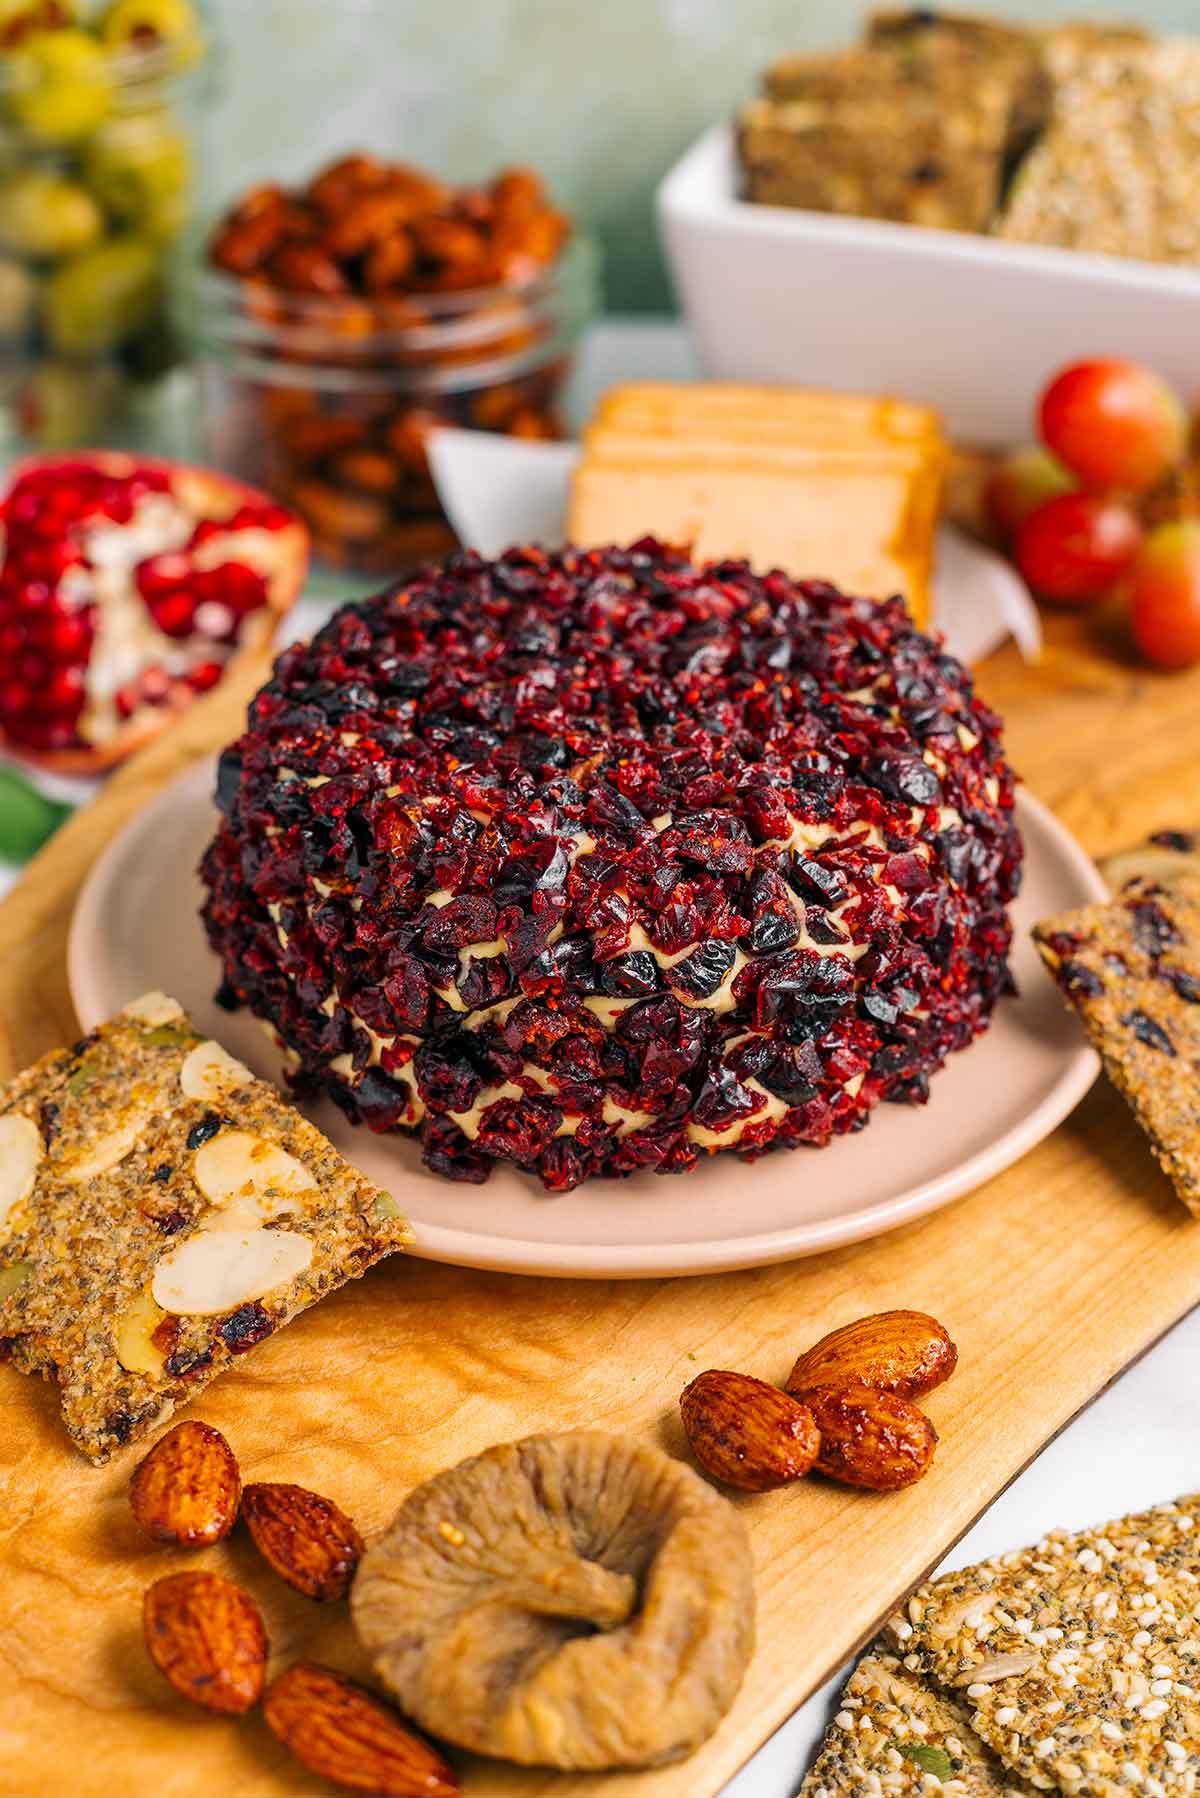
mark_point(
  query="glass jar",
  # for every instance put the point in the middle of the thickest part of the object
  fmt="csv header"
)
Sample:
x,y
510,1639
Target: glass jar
x,y
328,402
96,174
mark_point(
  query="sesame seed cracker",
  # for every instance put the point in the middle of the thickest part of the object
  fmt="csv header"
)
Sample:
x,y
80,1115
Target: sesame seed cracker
x,y
1131,969
1079,1658
894,1735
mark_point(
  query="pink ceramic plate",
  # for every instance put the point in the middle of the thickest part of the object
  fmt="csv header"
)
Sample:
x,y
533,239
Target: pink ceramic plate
x,y
136,926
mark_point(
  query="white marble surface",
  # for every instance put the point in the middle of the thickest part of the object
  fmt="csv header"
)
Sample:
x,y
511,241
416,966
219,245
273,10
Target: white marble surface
x,y
1134,1447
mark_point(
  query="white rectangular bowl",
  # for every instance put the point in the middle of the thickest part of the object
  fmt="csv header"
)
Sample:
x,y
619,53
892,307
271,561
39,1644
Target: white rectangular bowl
x,y
966,323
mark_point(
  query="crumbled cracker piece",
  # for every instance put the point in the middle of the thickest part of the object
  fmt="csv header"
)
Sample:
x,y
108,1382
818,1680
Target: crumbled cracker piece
x,y
1080,1657
1131,969
892,1734
161,1212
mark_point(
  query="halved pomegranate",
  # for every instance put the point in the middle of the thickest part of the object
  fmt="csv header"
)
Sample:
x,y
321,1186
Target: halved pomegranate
x,y
128,586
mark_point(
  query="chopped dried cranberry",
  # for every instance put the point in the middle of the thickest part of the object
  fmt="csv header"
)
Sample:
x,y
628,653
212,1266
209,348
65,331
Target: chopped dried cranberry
x,y
204,1131
1152,928
1074,977
243,1328
1149,1032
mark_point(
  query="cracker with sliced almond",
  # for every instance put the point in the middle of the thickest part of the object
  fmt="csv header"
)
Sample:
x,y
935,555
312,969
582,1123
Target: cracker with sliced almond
x,y
161,1212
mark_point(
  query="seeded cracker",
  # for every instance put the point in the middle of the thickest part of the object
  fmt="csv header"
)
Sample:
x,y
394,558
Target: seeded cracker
x,y
1131,969
161,1212
892,1734
1079,1657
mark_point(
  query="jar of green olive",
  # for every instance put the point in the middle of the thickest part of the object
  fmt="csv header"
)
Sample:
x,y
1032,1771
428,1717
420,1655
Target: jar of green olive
x,y
96,175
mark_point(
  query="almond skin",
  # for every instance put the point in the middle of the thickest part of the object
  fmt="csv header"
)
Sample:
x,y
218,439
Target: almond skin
x,y
343,1732
869,1438
905,1352
307,1540
187,1488
206,1636
746,1433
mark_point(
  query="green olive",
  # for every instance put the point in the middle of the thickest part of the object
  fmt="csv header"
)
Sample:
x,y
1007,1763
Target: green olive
x,y
18,293
35,15
45,215
171,25
103,297
59,86
69,403
140,168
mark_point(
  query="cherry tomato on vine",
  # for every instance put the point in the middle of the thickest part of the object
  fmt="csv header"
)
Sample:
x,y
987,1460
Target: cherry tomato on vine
x,y
1073,548
1164,592
1023,481
1114,423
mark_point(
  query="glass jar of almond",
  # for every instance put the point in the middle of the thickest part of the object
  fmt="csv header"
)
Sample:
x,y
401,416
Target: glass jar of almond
x,y
334,327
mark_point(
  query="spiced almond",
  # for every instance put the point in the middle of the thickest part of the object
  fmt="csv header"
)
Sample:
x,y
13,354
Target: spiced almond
x,y
747,1433
187,1489
206,1636
905,1352
342,1732
870,1438
307,1539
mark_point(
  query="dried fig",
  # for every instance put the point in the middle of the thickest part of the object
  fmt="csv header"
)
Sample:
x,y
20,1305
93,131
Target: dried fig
x,y
572,1601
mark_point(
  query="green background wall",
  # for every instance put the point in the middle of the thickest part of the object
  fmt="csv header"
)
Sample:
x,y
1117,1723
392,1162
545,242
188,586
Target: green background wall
x,y
600,94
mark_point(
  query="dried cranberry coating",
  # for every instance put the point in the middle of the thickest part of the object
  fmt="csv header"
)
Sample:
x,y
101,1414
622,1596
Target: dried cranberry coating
x,y
598,861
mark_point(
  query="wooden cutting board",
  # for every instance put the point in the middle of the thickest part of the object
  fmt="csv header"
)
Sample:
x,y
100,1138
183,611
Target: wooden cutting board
x,y
1052,1278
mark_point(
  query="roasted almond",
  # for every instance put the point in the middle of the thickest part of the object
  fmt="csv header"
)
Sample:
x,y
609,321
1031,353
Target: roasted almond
x,y
905,1352
307,1540
747,1433
344,1733
206,1636
870,1438
187,1488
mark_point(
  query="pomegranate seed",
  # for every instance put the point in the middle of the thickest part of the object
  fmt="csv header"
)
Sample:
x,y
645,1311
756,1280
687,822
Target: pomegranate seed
x,y
63,693
161,574
68,639
204,675
174,613
234,584
14,698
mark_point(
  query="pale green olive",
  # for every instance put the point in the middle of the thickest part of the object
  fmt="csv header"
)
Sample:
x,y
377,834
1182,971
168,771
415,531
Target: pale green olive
x,y
18,294
141,169
104,297
45,215
170,25
69,403
59,88
35,15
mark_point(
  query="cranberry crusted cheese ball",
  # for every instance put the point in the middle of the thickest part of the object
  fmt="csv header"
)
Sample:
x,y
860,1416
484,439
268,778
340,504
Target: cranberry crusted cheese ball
x,y
598,861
